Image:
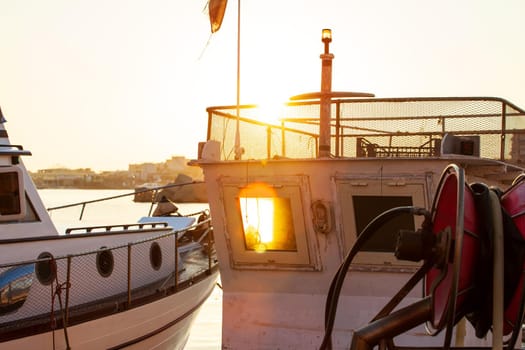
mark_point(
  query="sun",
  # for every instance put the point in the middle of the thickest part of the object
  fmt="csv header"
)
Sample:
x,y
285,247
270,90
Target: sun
x,y
269,99
271,111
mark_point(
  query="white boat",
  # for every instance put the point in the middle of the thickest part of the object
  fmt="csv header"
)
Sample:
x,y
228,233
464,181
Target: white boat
x,y
136,285
303,262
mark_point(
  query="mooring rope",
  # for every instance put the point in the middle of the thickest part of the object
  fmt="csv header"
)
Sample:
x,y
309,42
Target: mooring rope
x,y
56,293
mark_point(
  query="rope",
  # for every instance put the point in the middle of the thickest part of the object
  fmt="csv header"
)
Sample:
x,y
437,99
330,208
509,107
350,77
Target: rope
x,y
57,293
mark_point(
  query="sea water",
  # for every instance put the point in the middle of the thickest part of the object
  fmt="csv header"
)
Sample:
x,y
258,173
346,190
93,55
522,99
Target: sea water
x,y
206,331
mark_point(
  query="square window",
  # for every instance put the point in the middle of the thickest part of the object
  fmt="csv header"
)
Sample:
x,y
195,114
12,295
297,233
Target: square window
x,y
367,208
362,199
9,194
12,198
267,224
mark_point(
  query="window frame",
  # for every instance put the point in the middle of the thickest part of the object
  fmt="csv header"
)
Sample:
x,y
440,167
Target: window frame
x,y
296,189
416,187
21,194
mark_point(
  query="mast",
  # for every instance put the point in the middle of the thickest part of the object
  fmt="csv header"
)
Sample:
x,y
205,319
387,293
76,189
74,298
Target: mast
x,y
326,89
238,149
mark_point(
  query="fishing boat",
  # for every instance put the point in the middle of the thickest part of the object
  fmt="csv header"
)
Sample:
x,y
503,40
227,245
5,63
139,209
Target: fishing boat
x,y
131,285
361,222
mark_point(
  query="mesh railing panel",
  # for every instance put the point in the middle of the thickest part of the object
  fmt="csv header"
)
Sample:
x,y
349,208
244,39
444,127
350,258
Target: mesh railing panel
x,y
404,127
83,280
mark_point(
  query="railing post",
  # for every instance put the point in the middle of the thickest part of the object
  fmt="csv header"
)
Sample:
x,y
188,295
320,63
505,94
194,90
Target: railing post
x,y
176,273
283,141
503,130
268,142
338,139
129,274
82,211
68,284
209,247
150,208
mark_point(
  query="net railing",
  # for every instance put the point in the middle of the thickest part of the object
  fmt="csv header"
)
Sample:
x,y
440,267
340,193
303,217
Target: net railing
x,y
64,289
372,127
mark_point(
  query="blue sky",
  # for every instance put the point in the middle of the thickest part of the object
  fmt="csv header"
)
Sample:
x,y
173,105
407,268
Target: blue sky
x,y
106,83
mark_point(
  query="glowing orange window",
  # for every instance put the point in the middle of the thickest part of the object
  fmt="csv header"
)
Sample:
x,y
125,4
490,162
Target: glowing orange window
x,y
267,222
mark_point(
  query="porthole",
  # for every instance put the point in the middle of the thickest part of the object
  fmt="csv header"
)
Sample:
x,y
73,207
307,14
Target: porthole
x,y
45,270
155,256
105,262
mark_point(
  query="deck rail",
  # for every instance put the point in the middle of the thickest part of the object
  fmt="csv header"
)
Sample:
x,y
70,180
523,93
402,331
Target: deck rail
x,y
392,127
154,191
102,281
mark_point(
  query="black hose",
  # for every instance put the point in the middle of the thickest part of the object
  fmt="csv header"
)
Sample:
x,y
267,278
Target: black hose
x,y
337,282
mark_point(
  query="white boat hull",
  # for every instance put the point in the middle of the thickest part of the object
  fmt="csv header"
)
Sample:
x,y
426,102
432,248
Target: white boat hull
x,y
109,286
163,324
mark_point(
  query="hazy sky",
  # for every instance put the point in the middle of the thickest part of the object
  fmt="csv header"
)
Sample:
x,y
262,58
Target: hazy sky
x,y
106,83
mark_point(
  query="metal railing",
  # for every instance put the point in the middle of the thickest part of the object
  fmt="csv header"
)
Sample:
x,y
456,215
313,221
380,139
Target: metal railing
x,y
100,281
398,126
154,191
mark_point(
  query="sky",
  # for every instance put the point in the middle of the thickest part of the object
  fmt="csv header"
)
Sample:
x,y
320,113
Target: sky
x,y
102,84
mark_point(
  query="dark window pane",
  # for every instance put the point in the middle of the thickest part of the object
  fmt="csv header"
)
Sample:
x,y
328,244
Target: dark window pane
x,y
9,194
368,208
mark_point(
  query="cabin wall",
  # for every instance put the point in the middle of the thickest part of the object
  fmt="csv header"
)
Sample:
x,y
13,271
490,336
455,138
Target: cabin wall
x,y
290,296
317,180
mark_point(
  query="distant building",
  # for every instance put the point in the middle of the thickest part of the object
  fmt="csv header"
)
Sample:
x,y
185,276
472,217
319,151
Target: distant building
x,y
177,164
145,172
137,174
63,177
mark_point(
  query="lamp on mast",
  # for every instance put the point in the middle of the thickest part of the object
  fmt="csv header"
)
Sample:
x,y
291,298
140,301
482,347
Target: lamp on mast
x,y
326,89
327,39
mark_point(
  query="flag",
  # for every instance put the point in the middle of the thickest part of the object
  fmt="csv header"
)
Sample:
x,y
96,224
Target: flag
x,y
216,10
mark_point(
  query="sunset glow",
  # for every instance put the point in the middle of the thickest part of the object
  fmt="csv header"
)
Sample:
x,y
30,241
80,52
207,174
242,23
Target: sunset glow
x,y
267,219
137,76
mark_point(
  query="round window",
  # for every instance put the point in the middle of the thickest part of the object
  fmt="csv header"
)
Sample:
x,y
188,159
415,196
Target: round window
x,y
46,268
105,262
155,255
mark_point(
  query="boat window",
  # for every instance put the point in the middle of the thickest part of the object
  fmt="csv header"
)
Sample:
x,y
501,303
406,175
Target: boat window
x,y
12,198
265,224
363,199
367,208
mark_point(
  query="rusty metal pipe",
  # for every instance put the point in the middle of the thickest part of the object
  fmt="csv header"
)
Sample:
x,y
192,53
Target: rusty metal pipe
x,y
394,324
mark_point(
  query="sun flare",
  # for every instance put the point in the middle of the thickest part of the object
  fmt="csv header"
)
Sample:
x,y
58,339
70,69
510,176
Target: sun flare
x,y
271,110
